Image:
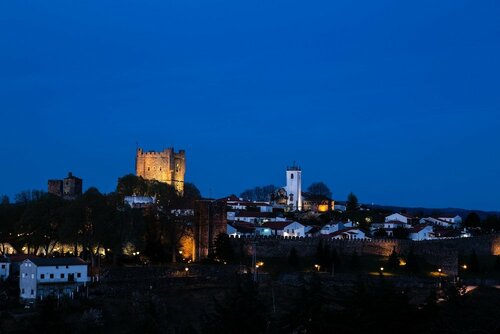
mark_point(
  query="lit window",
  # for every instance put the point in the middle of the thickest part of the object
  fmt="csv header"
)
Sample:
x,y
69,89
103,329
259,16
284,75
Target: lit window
x,y
32,276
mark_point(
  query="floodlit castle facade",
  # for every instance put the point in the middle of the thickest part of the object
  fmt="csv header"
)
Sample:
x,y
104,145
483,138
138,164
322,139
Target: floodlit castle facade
x,y
166,166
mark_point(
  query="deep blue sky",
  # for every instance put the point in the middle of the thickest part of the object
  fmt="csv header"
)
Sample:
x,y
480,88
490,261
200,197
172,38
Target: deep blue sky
x,y
396,101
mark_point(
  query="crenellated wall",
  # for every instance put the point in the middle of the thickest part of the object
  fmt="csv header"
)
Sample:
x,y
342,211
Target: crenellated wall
x,y
443,253
165,166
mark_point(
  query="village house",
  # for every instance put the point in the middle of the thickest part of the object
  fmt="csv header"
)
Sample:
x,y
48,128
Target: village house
x,y
437,222
240,229
41,277
348,234
407,219
284,229
456,220
420,232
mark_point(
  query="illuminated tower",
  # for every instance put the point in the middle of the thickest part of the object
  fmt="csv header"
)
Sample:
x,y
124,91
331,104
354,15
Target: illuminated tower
x,y
165,166
294,187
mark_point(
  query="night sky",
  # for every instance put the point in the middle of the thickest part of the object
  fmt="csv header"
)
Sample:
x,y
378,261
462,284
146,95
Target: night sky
x,y
396,101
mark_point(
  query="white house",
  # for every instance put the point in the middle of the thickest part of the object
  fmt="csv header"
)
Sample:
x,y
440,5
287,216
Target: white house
x,y
348,234
399,217
4,268
238,229
294,229
139,201
436,222
285,229
339,207
42,277
254,217
421,232
456,220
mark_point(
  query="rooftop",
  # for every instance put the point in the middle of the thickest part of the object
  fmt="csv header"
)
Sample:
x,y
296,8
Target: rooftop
x,y
58,261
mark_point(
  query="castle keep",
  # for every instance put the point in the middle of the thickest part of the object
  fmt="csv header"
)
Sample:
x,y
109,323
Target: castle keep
x,y
165,166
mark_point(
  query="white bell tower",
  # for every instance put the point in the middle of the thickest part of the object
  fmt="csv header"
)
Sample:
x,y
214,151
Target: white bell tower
x,y
294,187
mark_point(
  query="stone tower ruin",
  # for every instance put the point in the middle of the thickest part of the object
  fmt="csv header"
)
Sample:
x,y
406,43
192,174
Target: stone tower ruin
x,y
165,166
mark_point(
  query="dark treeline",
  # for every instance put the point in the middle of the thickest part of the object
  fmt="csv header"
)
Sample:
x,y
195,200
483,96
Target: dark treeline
x,y
98,222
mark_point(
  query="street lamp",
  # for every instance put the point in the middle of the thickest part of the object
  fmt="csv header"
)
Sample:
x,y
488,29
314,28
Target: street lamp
x,y
317,266
186,270
381,271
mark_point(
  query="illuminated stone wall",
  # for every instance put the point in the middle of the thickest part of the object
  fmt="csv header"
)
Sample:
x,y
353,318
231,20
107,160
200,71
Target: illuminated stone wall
x,y
165,166
442,253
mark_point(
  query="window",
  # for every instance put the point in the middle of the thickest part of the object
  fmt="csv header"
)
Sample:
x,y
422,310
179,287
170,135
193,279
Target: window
x,y
3,266
32,292
291,176
57,267
22,291
32,276
23,275
78,275
148,169
42,276
67,267
62,275
51,275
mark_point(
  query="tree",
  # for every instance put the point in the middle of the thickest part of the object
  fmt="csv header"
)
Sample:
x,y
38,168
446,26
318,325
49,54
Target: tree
x,y
242,310
259,193
400,233
5,200
130,184
223,248
472,220
380,233
336,261
393,261
473,262
319,190
352,203
491,224
496,266
412,263
293,258
354,262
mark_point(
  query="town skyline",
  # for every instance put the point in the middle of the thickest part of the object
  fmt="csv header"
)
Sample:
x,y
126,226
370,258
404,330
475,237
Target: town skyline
x,y
397,103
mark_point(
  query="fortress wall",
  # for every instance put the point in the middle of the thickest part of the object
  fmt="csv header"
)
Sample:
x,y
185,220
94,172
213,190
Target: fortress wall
x,y
442,253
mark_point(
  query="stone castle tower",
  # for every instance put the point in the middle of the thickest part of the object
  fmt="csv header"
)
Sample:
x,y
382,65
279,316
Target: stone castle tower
x,y
165,166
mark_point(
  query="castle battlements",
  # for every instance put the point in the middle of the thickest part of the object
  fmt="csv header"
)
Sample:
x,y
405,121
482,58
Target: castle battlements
x,y
164,166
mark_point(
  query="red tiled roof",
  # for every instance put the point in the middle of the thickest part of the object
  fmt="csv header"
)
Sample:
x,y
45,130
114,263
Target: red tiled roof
x,y
340,232
395,222
21,257
418,228
277,225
